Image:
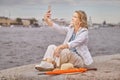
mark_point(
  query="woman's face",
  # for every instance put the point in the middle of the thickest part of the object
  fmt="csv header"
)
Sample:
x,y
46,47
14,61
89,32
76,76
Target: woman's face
x,y
75,19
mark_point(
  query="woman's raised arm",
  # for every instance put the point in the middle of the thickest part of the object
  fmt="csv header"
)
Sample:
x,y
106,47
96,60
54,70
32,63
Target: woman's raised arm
x,y
47,17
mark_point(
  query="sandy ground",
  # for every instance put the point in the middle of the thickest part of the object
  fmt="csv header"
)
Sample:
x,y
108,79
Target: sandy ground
x,y
22,46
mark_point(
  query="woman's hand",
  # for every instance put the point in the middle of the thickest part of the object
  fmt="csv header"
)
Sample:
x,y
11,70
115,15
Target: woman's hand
x,y
57,52
59,49
47,17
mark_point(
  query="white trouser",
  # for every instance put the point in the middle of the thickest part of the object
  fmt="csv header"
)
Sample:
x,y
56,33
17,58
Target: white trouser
x,y
65,56
49,54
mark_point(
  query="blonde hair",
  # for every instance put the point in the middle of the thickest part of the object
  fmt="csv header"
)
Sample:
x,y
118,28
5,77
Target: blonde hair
x,y
83,18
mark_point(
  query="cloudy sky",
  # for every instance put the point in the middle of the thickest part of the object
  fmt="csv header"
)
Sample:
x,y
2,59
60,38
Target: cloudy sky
x,y
98,10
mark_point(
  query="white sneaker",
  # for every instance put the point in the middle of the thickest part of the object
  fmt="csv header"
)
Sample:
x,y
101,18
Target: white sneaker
x,y
44,66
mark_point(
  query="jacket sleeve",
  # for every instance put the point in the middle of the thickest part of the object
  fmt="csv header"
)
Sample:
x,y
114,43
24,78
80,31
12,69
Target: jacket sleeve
x,y
79,40
61,29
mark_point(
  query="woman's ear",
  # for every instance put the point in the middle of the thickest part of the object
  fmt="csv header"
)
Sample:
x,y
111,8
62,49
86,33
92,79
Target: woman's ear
x,y
80,23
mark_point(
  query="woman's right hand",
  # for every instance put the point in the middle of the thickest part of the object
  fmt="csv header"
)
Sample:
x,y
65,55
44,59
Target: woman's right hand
x,y
47,17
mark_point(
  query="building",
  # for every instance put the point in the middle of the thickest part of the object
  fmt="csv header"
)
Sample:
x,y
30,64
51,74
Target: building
x,y
7,22
4,21
26,22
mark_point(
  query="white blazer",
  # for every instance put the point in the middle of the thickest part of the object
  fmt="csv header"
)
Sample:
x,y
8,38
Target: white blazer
x,y
79,43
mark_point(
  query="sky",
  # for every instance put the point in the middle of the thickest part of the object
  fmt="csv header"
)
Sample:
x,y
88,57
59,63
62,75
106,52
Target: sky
x,y
98,10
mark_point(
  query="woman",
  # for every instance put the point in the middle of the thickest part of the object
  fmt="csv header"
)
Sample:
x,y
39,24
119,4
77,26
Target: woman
x,y
74,49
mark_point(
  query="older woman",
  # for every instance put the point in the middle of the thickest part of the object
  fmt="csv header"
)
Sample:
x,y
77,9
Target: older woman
x,y
74,49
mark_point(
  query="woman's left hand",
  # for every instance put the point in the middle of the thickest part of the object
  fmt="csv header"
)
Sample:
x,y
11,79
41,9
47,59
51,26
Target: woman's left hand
x,y
59,48
57,52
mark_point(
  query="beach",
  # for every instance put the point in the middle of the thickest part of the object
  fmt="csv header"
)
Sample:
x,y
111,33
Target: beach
x,y
22,46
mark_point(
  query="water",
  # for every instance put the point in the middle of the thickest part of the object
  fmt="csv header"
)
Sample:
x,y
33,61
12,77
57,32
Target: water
x,y
20,46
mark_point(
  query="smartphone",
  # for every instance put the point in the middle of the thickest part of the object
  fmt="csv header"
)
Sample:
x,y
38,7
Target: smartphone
x,y
49,8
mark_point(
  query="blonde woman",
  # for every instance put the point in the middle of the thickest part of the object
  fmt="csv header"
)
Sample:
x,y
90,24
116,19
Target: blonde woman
x,y
74,49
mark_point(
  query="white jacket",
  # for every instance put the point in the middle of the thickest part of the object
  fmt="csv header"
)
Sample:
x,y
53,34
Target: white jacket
x,y
79,43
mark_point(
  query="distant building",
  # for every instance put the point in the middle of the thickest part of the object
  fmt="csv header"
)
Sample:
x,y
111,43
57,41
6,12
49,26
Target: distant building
x,y
95,25
90,24
26,22
61,21
5,21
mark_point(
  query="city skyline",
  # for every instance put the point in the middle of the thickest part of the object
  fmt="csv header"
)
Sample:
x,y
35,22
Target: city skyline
x,y
98,10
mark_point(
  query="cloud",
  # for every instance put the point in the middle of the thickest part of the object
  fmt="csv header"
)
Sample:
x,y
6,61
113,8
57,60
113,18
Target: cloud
x,y
67,2
10,2
94,2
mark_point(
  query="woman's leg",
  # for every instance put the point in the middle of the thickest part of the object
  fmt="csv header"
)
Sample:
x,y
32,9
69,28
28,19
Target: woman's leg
x,y
76,60
49,52
49,55
48,58
70,57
